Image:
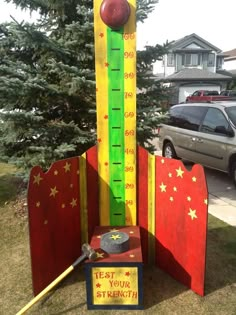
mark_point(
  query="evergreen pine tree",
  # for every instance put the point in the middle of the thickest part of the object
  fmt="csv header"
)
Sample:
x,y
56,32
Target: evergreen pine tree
x,y
47,83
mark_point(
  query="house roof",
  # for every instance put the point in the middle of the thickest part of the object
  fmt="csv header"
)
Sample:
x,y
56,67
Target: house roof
x,y
193,38
230,54
196,74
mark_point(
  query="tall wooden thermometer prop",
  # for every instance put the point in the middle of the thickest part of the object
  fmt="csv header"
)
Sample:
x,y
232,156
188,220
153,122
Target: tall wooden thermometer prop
x,y
115,51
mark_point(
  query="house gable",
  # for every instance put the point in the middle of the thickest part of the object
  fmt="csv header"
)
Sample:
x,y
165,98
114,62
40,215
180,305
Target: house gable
x,y
193,39
193,46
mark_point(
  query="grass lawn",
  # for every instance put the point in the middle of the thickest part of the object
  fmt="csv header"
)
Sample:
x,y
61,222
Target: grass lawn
x,y
162,294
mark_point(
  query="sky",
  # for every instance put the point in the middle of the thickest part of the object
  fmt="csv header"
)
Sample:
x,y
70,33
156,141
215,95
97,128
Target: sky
x,y
213,20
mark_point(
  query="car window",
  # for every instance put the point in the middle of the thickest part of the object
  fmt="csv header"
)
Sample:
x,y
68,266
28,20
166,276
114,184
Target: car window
x,y
192,117
186,117
232,93
215,122
231,111
196,93
224,93
175,116
213,93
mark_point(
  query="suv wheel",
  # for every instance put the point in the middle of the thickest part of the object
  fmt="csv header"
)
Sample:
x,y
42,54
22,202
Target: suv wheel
x,y
233,172
169,151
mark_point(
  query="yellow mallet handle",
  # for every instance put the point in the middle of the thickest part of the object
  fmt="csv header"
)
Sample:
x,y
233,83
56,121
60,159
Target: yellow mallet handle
x,y
88,253
46,290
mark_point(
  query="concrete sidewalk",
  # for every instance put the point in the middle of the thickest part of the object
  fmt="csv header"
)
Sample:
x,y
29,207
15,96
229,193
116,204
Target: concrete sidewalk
x,y
222,196
222,193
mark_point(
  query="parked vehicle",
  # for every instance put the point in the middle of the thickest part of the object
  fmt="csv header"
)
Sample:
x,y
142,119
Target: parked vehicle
x,y
206,96
231,93
204,133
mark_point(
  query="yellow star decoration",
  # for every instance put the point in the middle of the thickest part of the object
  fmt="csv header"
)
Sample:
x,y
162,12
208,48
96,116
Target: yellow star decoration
x,y
99,255
67,167
37,179
162,161
171,198
63,206
77,172
131,232
205,201
189,198
55,172
73,203
99,236
175,189
192,214
163,187
71,185
38,204
194,179
131,256
170,174
54,191
115,237
180,172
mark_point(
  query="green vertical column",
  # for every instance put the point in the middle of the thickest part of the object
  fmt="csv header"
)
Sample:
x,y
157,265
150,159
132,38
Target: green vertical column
x,y
115,50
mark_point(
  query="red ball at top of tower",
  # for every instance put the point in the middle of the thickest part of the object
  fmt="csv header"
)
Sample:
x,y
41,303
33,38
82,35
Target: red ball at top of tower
x,y
115,13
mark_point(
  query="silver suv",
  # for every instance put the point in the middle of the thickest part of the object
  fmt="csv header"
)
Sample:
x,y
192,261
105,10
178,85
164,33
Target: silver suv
x,y
204,133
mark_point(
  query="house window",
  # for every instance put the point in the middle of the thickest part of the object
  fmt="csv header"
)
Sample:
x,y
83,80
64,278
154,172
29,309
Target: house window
x,y
211,60
219,63
191,60
170,60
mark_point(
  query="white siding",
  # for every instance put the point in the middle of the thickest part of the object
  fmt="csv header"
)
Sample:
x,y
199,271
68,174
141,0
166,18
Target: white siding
x,y
229,65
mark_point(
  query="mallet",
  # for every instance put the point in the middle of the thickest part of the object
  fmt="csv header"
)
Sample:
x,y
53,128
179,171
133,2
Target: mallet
x,y
88,253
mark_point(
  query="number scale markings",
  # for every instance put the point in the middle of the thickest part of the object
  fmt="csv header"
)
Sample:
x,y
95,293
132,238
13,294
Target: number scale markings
x,y
115,62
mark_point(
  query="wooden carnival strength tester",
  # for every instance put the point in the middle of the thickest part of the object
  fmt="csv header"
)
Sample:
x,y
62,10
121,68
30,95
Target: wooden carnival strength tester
x,y
131,206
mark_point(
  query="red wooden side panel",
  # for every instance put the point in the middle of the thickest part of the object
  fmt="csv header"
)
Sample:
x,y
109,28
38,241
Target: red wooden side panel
x,y
55,215
181,222
92,190
54,220
142,198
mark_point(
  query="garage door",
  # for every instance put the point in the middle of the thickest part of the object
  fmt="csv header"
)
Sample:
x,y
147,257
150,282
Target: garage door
x,y
185,91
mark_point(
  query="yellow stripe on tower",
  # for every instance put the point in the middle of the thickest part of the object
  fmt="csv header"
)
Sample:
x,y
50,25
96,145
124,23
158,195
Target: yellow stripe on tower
x,y
151,208
130,113
83,199
100,34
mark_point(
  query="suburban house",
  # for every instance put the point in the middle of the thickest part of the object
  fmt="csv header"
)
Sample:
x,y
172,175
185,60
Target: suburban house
x,y
230,60
191,64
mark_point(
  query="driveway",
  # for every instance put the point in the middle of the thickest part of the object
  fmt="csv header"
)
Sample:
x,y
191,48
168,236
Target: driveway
x,y
222,193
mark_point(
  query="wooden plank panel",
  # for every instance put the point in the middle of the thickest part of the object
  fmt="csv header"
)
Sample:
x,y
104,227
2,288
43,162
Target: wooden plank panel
x,y
83,199
151,209
142,198
54,220
92,190
181,222
130,113
100,38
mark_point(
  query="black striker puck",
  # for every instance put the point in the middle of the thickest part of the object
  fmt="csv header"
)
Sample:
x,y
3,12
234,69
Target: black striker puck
x,y
115,242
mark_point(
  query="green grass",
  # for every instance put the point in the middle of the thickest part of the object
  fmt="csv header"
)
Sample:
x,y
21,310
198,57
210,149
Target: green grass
x,y
162,294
